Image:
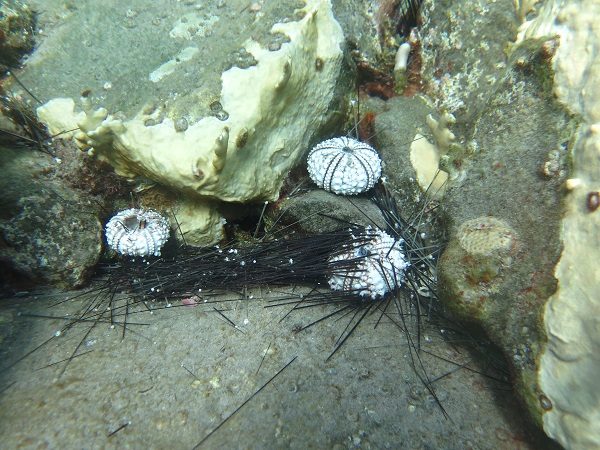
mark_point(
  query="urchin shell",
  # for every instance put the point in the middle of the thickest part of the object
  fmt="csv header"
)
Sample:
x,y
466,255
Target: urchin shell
x,y
137,232
344,166
370,266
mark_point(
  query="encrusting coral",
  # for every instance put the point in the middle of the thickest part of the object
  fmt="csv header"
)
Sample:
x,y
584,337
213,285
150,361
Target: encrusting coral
x,y
267,111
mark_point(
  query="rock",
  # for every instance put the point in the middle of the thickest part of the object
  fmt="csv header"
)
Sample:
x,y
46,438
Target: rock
x,y
475,264
361,23
519,105
570,361
252,105
319,211
370,26
50,231
497,268
404,141
509,201
463,50
17,25
520,261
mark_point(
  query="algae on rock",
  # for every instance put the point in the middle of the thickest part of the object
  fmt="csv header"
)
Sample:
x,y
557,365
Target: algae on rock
x,y
463,50
506,189
17,22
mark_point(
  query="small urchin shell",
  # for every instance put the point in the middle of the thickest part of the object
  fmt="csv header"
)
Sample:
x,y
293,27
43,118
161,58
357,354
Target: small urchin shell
x,y
137,232
344,166
370,266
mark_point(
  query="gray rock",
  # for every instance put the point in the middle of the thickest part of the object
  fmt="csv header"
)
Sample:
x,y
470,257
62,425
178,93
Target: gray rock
x,y
464,50
319,211
50,231
397,123
256,84
16,32
504,216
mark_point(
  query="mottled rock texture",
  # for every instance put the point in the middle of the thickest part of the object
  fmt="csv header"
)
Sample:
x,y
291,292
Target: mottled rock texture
x,y
50,232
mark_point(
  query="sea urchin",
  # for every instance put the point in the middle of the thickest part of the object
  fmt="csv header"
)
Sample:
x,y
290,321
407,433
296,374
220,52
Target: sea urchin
x,y
372,264
137,232
344,166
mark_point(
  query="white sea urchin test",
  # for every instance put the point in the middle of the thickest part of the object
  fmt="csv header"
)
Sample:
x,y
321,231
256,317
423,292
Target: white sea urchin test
x,y
344,166
370,266
137,232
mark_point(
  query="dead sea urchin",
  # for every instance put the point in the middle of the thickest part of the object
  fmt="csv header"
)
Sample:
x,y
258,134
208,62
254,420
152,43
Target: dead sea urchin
x,y
344,166
137,232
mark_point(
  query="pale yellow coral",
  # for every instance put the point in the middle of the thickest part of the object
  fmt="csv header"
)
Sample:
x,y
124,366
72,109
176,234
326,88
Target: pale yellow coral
x,y
273,110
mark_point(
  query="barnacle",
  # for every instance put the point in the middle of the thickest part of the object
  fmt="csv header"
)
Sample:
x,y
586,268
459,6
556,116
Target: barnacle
x,y
370,266
344,166
137,232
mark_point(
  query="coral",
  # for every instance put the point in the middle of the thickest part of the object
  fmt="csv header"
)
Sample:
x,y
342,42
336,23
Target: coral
x,y
485,236
344,166
425,159
372,265
485,247
399,126
441,131
401,61
241,147
401,66
137,232
53,113
524,7
450,152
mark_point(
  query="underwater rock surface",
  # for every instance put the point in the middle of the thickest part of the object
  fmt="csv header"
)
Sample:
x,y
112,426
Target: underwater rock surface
x,y
50,231
404,142
464,49
170,97
570,362
17,23
318,211
225,124
511,194
525,112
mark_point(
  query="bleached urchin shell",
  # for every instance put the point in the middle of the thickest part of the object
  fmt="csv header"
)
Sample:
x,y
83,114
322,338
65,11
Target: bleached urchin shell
x,y
372,265
137,232
344,166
